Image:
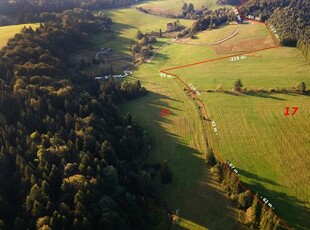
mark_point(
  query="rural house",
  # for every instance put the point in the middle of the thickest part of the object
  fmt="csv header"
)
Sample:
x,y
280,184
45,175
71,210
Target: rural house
x,y
169,26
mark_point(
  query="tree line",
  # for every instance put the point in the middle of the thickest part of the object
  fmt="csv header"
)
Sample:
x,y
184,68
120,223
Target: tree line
x,y
68,158
253,215
206,19
289,17
24,11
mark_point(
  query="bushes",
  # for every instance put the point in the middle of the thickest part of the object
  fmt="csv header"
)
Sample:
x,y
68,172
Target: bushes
x,y
132,90
238,85
304,49
300,88
210,157
166,174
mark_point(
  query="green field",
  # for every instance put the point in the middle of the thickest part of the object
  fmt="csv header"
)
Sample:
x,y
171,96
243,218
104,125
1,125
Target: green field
x,y
7,32
178,139
262,69
174,138
246,32
176,5
128,21
268,148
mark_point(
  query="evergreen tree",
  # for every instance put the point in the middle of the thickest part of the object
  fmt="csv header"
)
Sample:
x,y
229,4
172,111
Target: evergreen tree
x,y
302,87
238,85
166,174
211,160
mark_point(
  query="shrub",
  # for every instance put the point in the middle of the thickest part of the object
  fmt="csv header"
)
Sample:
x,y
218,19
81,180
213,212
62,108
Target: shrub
x,y
238,85
210,157
219,88
302,87
166,174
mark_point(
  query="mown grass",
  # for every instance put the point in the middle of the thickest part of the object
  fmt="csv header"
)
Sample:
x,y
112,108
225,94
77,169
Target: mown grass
x,y
179,139
266,146
127,22
280,67
7,32
246,32
270,150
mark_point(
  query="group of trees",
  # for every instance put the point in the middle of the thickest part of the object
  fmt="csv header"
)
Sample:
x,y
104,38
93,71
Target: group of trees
x,y
255,215
142,47
44,51
68,159
207,19
300,88
289,17
22,11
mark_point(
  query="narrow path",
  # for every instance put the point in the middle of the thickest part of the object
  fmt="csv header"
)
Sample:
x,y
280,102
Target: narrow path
x,y
228,37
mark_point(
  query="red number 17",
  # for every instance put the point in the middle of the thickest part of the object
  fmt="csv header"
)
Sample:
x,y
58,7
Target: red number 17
x,y
287,111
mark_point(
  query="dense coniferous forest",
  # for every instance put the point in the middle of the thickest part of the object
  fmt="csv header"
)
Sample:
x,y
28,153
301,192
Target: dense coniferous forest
x,y
291,18
68,159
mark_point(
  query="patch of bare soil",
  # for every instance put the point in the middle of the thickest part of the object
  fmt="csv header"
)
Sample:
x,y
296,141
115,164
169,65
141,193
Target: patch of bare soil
x,y
253,44
160,11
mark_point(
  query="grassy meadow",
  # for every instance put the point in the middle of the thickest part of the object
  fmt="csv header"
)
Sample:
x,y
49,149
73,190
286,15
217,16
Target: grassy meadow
x,y
7,32
246,32
179,139
279,67
268,148
126,23
176,5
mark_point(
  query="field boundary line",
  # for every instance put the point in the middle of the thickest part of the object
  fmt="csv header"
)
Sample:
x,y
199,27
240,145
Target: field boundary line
x,y
206,114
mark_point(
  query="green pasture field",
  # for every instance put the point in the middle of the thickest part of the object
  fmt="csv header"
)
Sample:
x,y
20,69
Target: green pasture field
x,y
127,22
246,32
179,139
279,67
270,150
7,32
176,5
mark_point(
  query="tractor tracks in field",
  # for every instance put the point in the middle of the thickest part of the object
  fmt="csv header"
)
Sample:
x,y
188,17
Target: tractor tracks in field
x,y
233,34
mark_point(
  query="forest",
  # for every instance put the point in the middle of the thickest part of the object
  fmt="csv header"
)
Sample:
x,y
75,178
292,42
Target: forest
x,y
291,18
68,158
23,11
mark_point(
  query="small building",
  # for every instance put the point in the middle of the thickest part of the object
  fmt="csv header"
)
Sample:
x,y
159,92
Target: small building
x,y
169,26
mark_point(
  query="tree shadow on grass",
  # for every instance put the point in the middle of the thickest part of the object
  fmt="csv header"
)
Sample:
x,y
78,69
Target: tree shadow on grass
x,y
291,210
161,56
261,95
192,188
255,177
266,95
